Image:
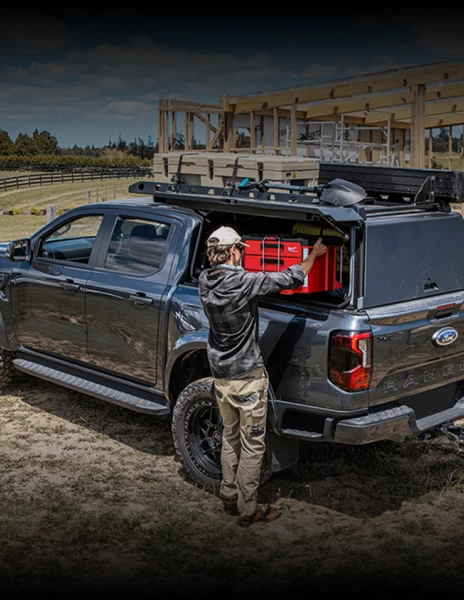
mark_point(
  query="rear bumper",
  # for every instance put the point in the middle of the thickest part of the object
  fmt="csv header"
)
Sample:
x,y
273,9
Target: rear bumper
x,y
391,422
396,423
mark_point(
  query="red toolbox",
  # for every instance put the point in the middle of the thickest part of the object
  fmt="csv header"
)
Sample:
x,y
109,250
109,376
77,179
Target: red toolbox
x,y
277,253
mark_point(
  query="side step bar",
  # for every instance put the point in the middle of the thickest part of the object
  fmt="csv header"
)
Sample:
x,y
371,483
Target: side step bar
x,y
91,388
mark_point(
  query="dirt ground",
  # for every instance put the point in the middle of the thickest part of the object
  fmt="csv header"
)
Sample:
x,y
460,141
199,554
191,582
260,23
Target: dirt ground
x,y
91,500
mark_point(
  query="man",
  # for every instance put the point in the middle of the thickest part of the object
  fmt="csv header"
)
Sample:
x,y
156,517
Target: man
x,y
229,296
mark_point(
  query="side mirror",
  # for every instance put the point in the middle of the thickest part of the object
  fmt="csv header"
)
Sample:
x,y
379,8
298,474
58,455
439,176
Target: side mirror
x,y
19,250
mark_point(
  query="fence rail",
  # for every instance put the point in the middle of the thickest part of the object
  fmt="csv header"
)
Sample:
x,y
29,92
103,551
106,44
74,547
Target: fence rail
x,y
10,183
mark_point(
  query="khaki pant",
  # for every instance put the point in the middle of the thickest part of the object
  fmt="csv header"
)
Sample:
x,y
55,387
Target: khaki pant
x,y
243,406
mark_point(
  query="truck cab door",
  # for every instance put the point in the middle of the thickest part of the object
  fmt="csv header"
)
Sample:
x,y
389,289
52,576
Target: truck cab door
x,y
48,292
125,297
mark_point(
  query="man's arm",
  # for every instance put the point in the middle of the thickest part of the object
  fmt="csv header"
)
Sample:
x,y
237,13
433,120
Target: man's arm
x,y
318,250
261,284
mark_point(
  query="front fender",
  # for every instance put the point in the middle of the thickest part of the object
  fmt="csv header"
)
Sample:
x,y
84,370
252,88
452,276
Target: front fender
x,y
190,342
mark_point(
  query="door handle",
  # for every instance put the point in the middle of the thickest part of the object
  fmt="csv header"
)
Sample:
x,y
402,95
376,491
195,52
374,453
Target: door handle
x,y
140,300
69,286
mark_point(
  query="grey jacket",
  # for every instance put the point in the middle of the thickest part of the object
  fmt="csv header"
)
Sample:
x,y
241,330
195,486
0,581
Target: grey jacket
x,y
229,296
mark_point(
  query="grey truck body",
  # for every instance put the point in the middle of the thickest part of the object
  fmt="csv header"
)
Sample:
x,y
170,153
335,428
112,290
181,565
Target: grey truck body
x,y
139,339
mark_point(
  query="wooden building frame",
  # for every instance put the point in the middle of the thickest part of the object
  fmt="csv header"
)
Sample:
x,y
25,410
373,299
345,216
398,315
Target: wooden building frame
x,y
417,98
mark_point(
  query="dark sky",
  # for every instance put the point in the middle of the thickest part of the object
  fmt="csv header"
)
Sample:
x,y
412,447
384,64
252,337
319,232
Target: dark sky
x,y
88,77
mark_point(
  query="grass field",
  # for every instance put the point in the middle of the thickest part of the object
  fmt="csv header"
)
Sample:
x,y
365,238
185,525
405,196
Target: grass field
x,y
67,196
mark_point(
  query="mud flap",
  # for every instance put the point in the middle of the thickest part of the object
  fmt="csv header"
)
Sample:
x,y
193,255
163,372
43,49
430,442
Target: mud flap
x,y
282,452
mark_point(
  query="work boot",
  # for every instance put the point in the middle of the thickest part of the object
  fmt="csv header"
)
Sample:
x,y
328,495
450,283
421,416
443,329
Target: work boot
x,y
264,513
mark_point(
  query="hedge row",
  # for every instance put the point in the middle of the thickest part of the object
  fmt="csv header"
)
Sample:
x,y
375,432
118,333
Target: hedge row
x,y
41,162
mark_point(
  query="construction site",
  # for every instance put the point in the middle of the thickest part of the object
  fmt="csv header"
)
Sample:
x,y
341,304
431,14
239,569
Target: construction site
x,y
387,118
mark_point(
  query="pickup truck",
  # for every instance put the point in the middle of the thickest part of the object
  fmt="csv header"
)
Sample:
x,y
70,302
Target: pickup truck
x,y
104,300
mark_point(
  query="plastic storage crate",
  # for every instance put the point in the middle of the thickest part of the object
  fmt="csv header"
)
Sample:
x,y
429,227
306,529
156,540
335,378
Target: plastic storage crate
x,y
277,253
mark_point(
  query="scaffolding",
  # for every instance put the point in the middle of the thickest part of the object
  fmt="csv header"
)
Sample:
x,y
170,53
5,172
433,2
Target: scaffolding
x,y
333,142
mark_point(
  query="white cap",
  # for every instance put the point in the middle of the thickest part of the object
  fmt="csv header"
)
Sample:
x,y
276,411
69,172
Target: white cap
x,y
225,236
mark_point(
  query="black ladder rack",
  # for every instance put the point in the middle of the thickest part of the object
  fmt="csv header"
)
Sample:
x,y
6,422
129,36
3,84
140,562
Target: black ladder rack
x,y
287,205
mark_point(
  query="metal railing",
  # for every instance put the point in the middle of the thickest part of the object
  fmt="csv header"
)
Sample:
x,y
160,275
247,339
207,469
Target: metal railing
x,y
39,179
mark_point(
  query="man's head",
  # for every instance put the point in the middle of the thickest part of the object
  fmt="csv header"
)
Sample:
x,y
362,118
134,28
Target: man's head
x,y
224,247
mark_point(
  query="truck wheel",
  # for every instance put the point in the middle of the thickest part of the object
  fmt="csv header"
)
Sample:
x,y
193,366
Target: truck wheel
x,y
197,434
7,370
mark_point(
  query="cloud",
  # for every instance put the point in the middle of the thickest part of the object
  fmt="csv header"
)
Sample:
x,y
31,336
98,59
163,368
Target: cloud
x,y
125,82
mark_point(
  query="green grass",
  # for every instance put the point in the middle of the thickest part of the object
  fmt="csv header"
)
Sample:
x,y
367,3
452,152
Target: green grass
x,y
64,196
457,162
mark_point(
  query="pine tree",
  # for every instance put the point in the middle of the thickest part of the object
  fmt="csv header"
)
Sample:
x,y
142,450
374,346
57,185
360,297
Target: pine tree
x,y
6,143
24,145
44,142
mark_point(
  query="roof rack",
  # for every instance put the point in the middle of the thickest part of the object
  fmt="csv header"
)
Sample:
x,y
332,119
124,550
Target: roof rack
x,y
300,204
336,200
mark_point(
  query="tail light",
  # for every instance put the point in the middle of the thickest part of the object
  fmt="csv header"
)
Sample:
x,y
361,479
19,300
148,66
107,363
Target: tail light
x,y
350,360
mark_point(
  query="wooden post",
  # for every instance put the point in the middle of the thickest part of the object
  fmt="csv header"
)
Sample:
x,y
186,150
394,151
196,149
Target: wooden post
x,y
252,133
166,131
307,136
51,213
418,127
174,130
89,198
192,130
262,135
208,131
186,133
450,147
221,129
160,130
429,162
228,132
293,129
276,131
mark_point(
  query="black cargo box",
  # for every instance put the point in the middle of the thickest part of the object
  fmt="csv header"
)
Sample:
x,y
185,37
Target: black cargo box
x,y
449,185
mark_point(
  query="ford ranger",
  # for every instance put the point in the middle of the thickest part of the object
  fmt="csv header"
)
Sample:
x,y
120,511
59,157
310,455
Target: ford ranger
x,y
104,300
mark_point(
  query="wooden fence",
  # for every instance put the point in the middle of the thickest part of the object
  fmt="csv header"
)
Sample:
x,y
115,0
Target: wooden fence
x,y
10,183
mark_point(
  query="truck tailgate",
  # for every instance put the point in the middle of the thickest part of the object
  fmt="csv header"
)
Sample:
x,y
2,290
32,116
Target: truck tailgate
x,y
418,346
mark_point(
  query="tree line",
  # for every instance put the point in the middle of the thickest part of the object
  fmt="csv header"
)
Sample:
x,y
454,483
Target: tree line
x,y
43,143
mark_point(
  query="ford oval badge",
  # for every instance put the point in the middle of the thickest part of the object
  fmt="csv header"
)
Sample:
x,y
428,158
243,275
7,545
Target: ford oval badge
x,y
445,336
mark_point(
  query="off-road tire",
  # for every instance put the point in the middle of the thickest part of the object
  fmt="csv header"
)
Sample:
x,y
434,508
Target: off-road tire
x,y
197,395
7,370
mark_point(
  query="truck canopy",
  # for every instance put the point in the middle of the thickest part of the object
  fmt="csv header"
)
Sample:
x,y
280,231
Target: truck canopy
x,y
411,258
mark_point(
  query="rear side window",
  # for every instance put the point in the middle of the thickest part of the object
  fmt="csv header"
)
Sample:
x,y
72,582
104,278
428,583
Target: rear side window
x,y
137,246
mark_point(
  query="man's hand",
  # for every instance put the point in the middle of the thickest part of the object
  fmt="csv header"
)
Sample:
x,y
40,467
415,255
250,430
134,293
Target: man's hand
x,y
319,249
